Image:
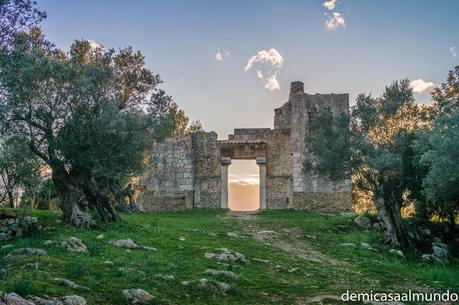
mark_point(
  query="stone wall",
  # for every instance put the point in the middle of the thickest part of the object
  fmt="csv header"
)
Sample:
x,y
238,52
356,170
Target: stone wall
x,y
188,171
278,169
170,185
207,170
249,134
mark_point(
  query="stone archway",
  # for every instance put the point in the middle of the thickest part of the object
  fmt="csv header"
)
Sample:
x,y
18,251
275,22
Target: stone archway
x,y
242,149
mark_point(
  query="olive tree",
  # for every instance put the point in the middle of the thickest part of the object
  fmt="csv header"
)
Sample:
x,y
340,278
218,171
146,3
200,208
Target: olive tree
x,y
90,114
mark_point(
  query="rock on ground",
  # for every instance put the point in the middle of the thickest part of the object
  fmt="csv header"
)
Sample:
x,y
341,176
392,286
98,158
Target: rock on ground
x,y
206,284
31,251
69,283
137,296
227,255
124,243
440,250
396,252
40,301
15,299
363,222
74,244
74,300
228,274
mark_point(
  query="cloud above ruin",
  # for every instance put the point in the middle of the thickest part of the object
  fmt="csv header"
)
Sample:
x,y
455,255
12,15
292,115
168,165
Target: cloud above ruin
x,y
329,5
221,55
421,86
268,64
335,20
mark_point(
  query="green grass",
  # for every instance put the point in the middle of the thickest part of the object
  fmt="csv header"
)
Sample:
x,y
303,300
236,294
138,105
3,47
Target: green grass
x,y
309,242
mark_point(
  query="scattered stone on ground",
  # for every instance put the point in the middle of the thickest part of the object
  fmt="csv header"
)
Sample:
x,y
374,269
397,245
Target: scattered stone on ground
x,y
232,234
185,283
13,225
15,299
227,255
168,278
228,274
440,250
137,296
23,251
74,300
108,263
182,238
396,252
125,269
206,284
367,246
30,266
100,236
291,270
40,301
69,283
74,244
363,222
267,232
348,245
124,243
48,242
261,260
149,248
7,246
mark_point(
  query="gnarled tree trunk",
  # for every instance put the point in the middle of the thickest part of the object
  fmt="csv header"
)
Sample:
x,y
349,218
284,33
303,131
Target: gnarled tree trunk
x,y
96,196
71,200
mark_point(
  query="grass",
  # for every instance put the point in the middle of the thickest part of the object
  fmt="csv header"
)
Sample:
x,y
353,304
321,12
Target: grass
x,y
305,256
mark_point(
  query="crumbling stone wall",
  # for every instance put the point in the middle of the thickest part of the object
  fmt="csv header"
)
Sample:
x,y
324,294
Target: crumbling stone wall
x,y
188,170
249,134
170,185
207,170
278,169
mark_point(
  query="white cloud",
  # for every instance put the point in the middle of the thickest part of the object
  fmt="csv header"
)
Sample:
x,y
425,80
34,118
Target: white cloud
x,y
221,54
269,56
259,74
94,45
422,86
269,63
272,82
330,5
335,20
452,50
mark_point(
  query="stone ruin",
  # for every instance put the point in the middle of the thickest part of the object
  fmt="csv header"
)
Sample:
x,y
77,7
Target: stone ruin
x,y
192,171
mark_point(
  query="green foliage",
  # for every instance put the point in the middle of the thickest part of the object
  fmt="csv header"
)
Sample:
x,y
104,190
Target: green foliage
x,y
438,153
179,123
329,137
91,115
376,149
19,169
77,269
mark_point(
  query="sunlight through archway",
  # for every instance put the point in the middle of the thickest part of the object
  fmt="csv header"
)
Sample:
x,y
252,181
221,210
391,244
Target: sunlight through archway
x,y
243,186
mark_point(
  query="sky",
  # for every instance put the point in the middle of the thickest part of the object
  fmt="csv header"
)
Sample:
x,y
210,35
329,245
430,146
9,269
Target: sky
x,y
230,63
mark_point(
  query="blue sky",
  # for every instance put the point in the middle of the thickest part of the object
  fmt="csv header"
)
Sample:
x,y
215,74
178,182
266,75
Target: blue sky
x,y
366,46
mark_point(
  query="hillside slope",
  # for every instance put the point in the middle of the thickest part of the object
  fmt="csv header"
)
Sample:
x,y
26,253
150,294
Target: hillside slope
x,y
274,257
